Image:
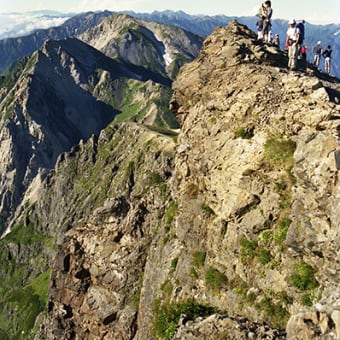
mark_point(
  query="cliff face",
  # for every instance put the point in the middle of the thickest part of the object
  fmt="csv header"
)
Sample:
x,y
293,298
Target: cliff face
x,y
97,278
257,152
231,233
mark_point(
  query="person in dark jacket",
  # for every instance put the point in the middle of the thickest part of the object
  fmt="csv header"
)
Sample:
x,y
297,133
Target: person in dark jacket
x,y
327,54
317,51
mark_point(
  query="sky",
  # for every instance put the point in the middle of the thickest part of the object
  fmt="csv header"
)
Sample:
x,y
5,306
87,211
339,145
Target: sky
x,y
313,11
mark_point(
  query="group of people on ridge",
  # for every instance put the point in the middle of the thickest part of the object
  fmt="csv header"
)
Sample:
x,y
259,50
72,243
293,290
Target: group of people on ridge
x,y
318,51
294,43
294,40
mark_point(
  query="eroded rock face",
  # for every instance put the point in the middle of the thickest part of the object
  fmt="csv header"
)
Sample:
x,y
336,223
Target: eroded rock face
x,y
97,276
235,101
242,240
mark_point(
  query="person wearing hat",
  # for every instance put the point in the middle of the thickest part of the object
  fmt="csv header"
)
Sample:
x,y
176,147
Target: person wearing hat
x,y
317,50
293,36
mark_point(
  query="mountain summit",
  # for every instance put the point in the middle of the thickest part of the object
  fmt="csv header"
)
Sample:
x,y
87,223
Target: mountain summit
x,y
227,230
159,47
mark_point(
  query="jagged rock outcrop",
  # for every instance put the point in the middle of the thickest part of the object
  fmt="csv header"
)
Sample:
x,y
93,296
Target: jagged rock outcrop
x,y
97,279
257,148
232,233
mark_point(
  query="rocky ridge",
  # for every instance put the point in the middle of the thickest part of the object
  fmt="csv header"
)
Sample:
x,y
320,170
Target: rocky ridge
x,y
248,244
232,232
12,49
258,146
94,293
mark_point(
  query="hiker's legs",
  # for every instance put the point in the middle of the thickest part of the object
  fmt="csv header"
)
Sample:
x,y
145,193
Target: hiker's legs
x,y
265,30
327,65
292,55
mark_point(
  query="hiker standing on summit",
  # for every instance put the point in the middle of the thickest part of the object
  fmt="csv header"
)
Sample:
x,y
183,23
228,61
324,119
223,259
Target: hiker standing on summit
x,y
267,22
293,37
327,54
317,50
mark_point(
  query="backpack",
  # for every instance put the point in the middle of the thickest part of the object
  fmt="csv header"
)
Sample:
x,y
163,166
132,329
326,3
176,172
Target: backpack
x,y
327,53
317,49
301,27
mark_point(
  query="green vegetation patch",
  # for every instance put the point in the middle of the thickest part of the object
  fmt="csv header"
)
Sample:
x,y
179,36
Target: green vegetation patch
x,y
264,256
170,215
280,234
198,258
303,277
27,302
173,265
154,179
214,279
23,65
247,249
25,235
24,278
166,316
275,314
250,250
279,150
244,133
167,289
307,300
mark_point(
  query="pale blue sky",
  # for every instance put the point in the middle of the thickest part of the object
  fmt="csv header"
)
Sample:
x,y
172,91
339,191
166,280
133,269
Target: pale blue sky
x,y
315,11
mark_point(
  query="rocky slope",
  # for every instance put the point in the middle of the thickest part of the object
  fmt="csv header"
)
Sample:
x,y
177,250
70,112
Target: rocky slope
x,y
257,150
230,230
63,93
238,237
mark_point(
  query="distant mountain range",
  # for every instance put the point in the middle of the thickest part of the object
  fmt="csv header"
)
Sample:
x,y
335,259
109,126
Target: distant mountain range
x,y
11,49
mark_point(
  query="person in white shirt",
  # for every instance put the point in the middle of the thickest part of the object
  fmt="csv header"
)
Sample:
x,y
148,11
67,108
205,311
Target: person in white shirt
x,y
293,36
